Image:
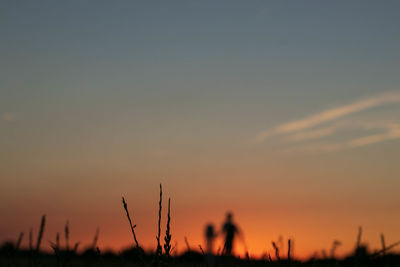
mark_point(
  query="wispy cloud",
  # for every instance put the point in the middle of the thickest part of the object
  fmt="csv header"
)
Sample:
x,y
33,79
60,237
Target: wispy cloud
x,y
306,129
311,134
392,133
11,116
329,115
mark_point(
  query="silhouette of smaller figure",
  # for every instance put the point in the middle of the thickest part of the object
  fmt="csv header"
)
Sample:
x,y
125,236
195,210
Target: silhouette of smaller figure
x,y
230,230
210,237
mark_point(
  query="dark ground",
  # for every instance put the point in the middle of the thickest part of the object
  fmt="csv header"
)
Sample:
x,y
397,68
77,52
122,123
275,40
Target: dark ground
x,y
11,257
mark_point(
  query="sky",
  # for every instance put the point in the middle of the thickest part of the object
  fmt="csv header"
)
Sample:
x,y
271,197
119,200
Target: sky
x,y
284,112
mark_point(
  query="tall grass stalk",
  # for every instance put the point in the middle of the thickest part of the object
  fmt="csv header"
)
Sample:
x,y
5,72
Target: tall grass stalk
x,y
66,233
276,250
76,247
31,239
41,232
95,239
358,244
386,249
383,244
130,222
188,245
19,241
202,251
159,248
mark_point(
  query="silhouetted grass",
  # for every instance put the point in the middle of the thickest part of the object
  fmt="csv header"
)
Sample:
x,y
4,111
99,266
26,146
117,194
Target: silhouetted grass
x,y
41,232
12,254
130,222
18,244
167,238
159,248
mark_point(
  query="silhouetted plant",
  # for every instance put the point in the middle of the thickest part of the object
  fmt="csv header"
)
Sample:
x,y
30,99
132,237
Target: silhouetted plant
x,y
75,249
276,250
19,241
202,251
41,232
95,239
130,222
167,238
66,233
358,244
159,248
335,244
188,246
387,248
56,246
31,239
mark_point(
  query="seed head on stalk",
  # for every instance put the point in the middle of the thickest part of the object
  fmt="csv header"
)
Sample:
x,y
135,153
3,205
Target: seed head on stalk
x,y
167,238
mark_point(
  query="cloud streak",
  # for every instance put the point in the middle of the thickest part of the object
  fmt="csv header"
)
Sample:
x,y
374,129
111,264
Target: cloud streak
x,y
392,133
310,129
329,115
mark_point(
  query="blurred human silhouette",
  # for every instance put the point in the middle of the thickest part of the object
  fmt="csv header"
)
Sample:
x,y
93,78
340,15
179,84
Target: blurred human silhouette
x,y
230,230
210,235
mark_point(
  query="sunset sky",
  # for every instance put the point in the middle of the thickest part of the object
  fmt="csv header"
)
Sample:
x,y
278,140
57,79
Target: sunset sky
x,y
286,113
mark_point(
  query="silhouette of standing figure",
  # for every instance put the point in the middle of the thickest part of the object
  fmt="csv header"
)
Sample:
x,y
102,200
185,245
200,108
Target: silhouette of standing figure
x,y
210,236
230,230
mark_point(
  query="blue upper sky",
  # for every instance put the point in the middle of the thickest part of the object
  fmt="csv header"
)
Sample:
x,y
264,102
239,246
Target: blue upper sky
x,y
248,64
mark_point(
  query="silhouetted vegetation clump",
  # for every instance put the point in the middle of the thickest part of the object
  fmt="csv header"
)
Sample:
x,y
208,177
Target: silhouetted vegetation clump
x,y
12,253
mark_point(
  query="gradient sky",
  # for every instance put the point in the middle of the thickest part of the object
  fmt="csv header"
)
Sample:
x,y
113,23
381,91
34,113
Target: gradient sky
x,y
285,112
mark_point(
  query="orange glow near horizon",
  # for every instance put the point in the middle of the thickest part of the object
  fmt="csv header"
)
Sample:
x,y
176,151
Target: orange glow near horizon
x,y
258,241
312,213
312,226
